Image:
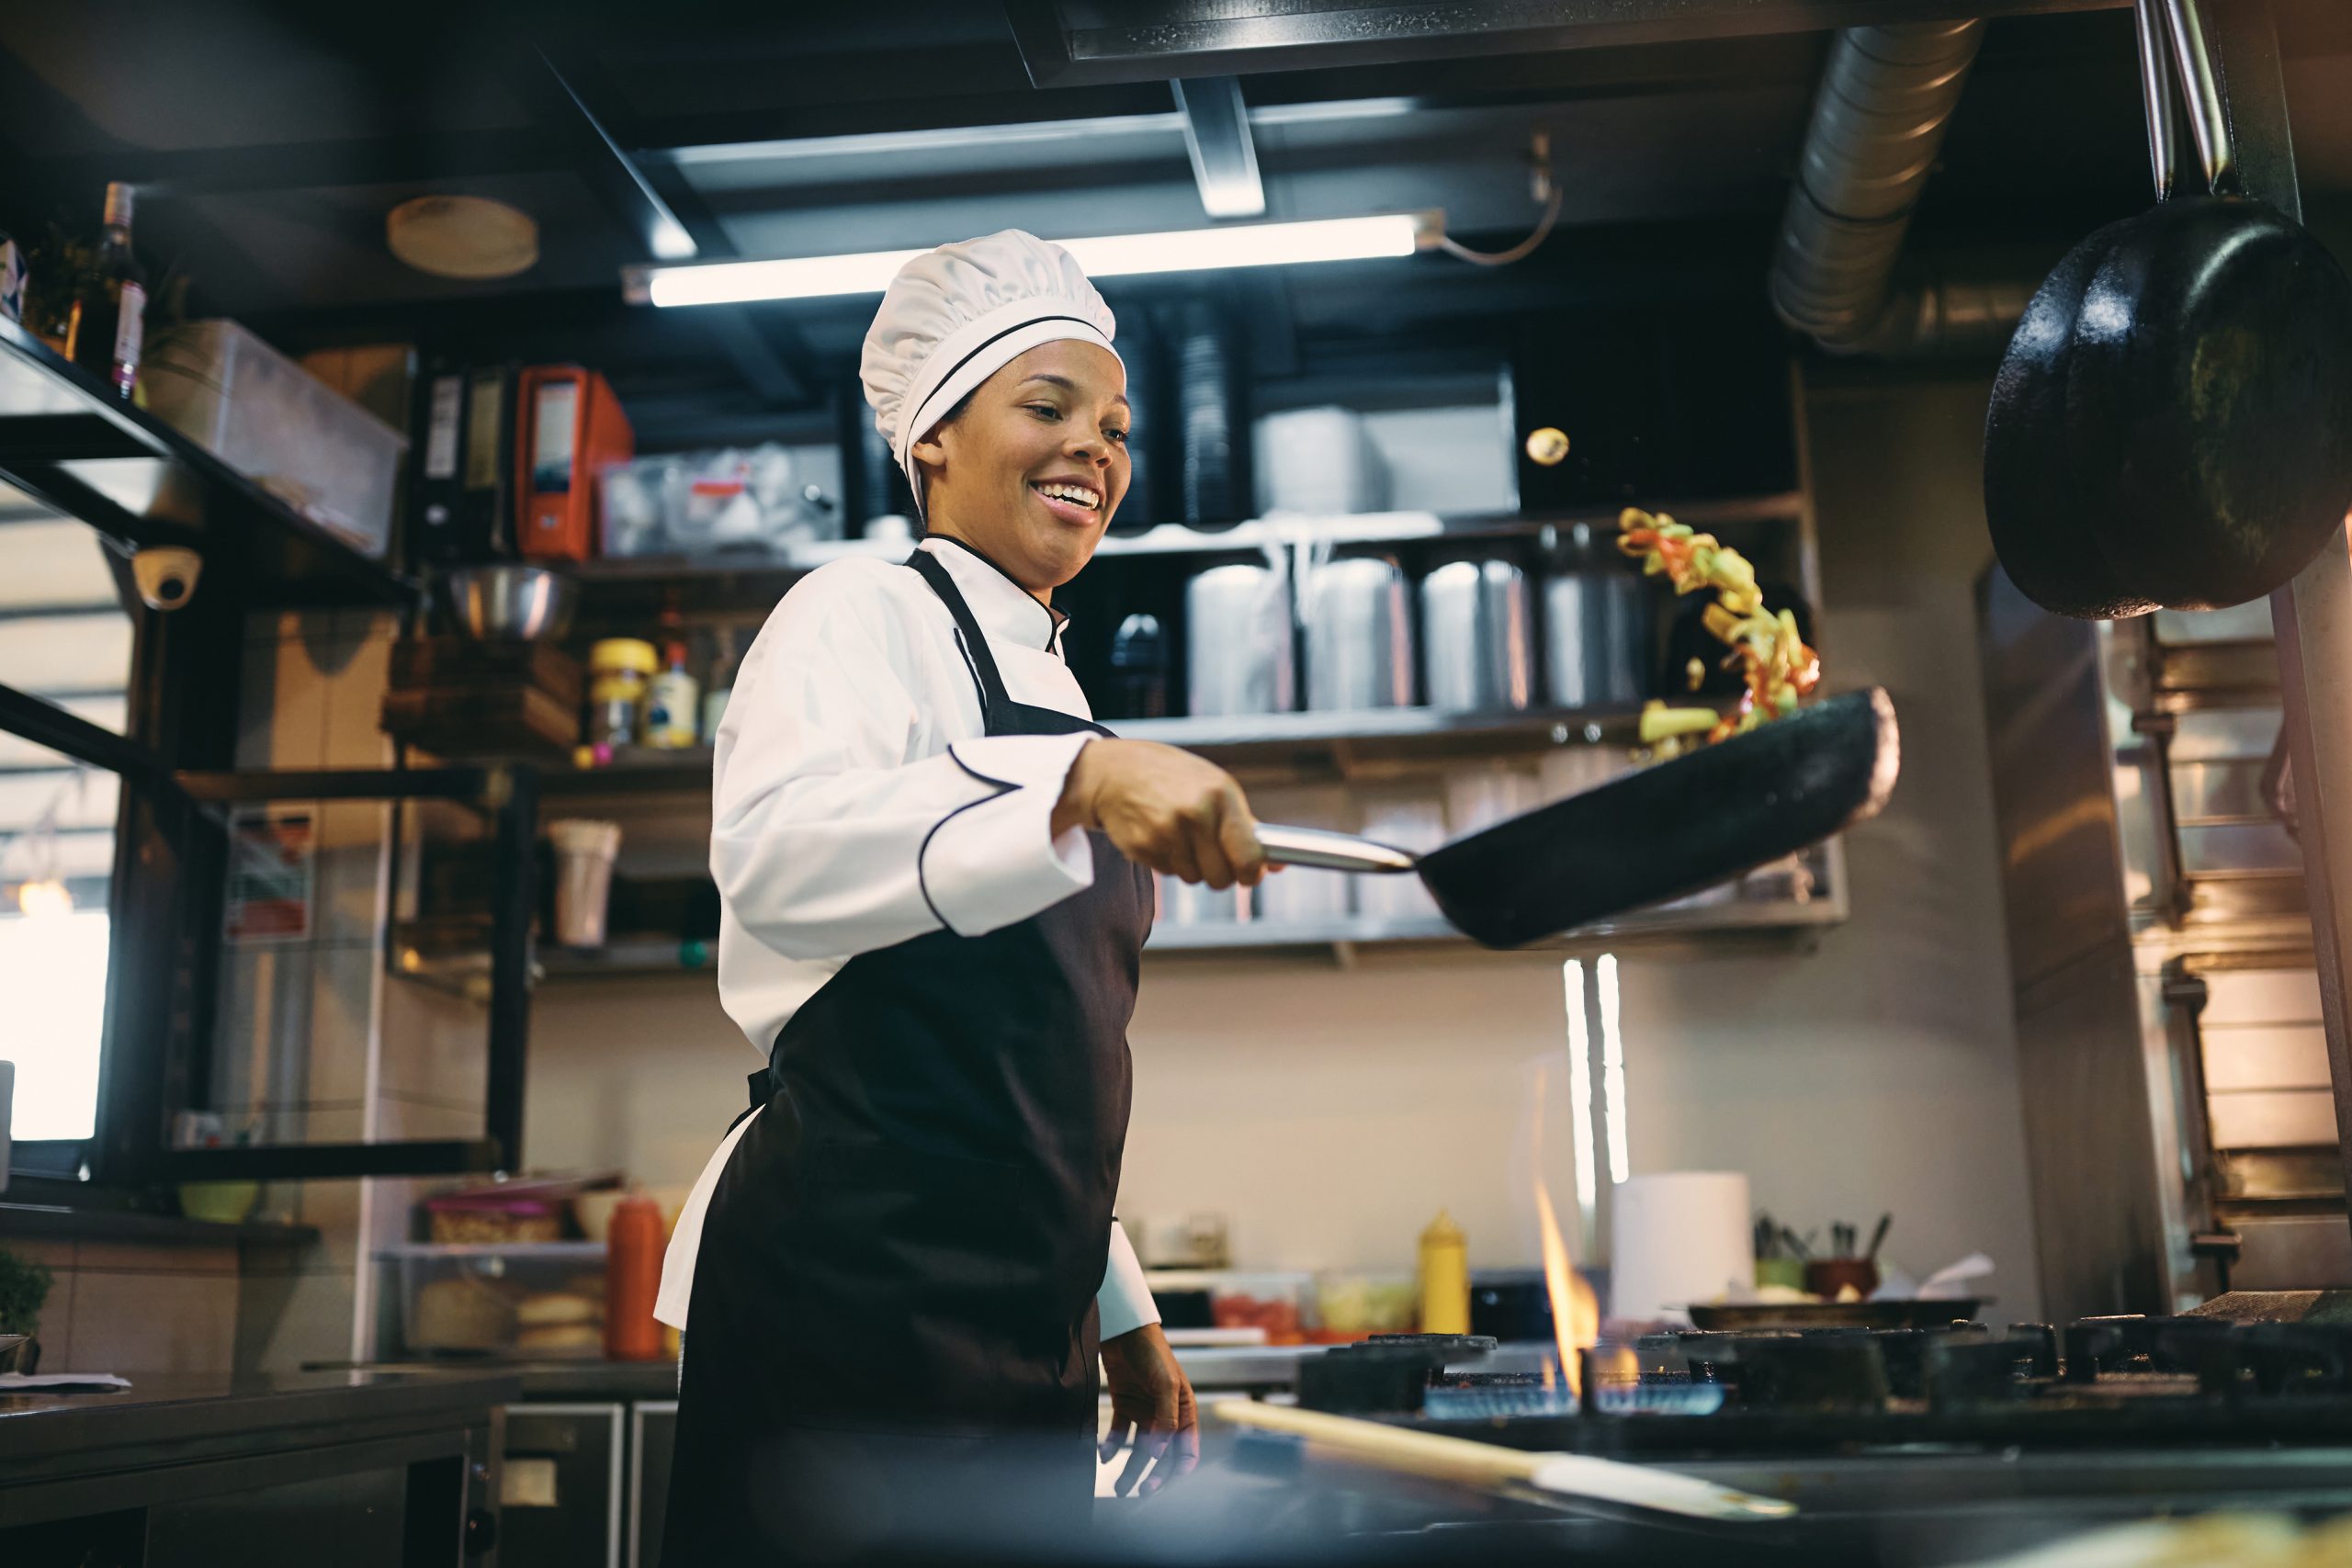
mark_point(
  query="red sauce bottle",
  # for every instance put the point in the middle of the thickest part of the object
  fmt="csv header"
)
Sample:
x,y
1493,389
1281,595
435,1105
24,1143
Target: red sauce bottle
x,y
632,1278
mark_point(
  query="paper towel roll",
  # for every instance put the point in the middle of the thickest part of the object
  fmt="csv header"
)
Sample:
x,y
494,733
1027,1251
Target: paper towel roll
x,y
1679,1237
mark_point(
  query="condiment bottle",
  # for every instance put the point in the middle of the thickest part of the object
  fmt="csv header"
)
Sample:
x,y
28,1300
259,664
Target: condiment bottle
x,y
1445,1278
632,1278
672,706
616,694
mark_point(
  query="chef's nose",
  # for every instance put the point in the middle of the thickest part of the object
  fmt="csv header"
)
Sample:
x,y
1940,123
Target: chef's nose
x,y
1095,449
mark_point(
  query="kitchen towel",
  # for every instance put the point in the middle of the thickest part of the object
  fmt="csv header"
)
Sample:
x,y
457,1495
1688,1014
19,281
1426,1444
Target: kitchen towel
x,y
1678,1236
50,1382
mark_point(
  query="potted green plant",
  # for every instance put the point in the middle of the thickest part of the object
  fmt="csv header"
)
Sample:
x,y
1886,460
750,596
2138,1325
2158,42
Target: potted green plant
x,y
24,1286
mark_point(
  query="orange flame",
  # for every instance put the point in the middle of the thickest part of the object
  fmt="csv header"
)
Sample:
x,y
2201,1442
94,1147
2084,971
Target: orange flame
x,y
1575,1312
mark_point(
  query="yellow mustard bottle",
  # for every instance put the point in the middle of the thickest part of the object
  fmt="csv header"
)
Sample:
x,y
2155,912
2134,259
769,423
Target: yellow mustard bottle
x,y
1445,1278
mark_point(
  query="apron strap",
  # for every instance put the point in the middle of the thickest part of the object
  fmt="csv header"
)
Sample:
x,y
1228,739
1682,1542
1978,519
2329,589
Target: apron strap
x,y
995,702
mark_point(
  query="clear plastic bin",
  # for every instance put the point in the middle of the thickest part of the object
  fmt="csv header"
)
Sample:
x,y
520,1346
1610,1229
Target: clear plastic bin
x,y
765,500
280,426
526,1301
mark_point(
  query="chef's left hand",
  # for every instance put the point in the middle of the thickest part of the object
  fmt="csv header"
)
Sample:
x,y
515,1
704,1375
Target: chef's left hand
x,y
1151,1408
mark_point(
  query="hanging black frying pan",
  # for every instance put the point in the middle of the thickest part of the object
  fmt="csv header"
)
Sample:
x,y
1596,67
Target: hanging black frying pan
x,y
2168,425
1669,830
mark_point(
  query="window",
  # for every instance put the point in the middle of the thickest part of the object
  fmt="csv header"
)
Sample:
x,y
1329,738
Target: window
x,y
64,637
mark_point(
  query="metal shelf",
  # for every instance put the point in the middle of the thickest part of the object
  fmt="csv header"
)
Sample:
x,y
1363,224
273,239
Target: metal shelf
x,y
71,444
1265,936
1304,742
643,958
551,1251
1175,538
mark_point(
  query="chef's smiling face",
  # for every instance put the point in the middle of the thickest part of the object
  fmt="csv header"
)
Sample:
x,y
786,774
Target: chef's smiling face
x,y
1029,471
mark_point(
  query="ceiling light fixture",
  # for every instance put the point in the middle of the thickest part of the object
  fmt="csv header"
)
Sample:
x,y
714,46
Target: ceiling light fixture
x,y
1102,256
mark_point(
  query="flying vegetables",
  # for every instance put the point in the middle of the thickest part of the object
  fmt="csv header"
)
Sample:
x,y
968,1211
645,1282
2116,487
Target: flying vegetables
x,y
1775,666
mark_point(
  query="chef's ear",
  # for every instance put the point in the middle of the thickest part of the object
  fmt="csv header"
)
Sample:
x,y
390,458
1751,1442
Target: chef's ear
x,y
929,449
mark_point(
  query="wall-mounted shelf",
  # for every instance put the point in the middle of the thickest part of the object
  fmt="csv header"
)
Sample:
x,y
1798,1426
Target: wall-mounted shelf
x,y
655,957
67,442
736,582
1301,742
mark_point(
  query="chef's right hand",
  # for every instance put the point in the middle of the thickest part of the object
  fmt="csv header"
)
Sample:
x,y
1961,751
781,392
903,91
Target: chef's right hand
x,y
1164,808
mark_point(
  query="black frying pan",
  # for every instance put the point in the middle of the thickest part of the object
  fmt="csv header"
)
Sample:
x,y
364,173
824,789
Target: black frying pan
x,y
2166,427
1657,834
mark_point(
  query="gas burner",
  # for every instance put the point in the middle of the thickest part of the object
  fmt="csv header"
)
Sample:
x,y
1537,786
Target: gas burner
x,y
2128,1381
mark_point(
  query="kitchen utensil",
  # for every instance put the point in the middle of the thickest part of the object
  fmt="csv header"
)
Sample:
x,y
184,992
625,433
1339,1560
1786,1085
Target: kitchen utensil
x,y
1666,830
499,602
1495,1468
1359,636
12,1348
1878,1236
2164,427
1680,1235
1321,462
1478,638
1596,628
1740,1317
1237,642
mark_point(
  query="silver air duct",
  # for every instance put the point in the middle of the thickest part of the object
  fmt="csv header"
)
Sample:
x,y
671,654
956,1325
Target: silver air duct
x,y
1886,96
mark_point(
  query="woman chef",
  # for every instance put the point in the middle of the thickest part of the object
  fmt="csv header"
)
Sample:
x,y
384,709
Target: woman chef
x,y
935,873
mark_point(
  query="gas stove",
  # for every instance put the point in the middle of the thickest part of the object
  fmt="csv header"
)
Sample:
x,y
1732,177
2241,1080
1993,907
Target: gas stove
x,y
2096,1382
1938,1445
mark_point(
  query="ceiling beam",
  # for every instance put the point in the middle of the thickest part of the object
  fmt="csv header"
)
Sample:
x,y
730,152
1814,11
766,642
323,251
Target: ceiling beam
x,y
1218,139
1213,38
562,100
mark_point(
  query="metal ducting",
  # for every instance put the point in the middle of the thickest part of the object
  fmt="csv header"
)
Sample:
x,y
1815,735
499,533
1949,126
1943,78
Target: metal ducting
x,y
1886,96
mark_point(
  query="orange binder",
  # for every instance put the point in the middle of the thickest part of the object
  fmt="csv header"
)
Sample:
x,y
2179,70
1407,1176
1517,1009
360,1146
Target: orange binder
x,y
570,426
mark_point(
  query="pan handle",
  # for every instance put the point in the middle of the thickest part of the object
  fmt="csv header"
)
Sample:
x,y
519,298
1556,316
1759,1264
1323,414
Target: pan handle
x,y
2155,93
2208,116
1329,852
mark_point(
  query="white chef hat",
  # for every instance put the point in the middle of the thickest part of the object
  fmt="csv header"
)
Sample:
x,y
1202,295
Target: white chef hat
x,y
955,316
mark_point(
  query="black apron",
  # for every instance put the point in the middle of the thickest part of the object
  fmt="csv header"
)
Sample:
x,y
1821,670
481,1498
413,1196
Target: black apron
x,y
893,1314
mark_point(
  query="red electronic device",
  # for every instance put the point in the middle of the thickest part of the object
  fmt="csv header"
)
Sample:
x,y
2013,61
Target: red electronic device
x,y
570,427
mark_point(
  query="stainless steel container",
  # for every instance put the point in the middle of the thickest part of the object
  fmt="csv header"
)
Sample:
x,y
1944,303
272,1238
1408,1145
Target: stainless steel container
x,y
1237,642
498,603
1478,636
1359,636
1594,638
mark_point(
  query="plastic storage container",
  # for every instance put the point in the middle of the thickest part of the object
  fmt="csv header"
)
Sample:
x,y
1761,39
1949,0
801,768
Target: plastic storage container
x,y
280,426
536,1300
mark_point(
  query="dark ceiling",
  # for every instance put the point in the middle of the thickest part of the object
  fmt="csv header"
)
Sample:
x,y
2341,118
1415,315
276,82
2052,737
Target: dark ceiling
x,y
269,141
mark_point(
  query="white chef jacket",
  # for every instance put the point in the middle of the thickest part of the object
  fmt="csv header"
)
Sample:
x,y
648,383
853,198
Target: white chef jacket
x,y
857,803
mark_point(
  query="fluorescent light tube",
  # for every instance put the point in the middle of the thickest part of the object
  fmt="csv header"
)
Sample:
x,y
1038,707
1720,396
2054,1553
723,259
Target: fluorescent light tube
x,y
1102,256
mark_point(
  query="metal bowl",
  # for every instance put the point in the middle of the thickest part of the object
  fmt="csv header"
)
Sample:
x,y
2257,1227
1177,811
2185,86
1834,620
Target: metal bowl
x,y
507,602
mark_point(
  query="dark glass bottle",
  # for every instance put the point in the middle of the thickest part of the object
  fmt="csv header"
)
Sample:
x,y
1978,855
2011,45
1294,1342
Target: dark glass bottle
x,y
110,308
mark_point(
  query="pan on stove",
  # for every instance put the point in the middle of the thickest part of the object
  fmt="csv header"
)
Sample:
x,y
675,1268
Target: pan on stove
x,y
1743,1318
1653,835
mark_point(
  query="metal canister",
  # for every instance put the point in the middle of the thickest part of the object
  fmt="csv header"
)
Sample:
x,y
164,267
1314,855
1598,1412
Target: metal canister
x,y
1596,630
1237,642
1478,636
1359,636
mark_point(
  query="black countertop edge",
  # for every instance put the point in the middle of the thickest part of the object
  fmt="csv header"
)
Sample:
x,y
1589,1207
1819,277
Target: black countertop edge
x,y
169,1418
131,1224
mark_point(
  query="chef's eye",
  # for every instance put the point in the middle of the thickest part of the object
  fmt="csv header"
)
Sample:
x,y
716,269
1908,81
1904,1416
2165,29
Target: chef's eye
x,y
1118,436
1045,410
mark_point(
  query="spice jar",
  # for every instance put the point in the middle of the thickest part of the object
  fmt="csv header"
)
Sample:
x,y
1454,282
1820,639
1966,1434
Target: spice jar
x,y
619,669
